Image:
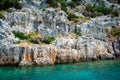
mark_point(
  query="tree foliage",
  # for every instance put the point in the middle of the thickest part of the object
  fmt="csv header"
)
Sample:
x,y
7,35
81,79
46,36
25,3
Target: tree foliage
x,y
6,4
72,16
20,35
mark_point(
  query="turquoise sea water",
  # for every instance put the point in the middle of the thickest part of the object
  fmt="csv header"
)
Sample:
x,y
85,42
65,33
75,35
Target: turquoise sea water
x,y
98,70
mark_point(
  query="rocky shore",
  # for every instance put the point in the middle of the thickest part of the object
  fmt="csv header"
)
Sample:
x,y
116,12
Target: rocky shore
x,y
67,47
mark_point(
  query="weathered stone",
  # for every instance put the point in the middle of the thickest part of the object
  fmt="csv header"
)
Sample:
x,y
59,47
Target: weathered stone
x,y
92,45
106,56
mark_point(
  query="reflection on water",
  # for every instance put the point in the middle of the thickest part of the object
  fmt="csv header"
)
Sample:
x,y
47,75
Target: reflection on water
x,y
99,70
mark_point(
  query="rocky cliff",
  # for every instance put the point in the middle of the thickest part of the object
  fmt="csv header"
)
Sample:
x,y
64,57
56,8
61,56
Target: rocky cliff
x,y
66,48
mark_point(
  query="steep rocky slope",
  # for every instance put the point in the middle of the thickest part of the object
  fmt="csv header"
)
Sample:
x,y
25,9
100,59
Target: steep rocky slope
x,y
67,47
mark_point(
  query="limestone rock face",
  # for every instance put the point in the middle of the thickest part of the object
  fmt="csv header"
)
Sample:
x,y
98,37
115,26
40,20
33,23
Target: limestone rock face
x,y
107,56
10,54
95,27
25,21
64,51
45,55
68,56
5,32
49,22
116,47
105,2
33,4
85,47
92,45
39,55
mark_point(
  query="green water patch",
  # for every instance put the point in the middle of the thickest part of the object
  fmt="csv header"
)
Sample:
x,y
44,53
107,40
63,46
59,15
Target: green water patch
x,y
97,70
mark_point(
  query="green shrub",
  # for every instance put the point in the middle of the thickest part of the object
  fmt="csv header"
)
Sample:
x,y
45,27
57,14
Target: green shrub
x,y
97,10
89,7
100,14
32,34
18,42
1,16
48,39
102,9
72,4
31,37
72,16
20,35
77,32
63,3
64,9
77,2
35,40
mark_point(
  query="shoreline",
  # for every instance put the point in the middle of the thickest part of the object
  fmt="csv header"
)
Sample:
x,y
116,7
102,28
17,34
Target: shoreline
x,y
83,61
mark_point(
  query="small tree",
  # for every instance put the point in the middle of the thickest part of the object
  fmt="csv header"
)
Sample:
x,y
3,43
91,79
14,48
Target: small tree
x,y
72,16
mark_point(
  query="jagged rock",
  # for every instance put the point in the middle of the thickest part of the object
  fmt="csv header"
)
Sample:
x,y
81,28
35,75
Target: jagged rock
x,y
38,55
28,20
33,4
116,47
92,45
68,56
105,2
106,56
64,51
6,35
10,54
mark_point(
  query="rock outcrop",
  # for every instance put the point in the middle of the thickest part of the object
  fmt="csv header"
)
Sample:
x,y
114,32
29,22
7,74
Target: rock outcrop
x,y
116,47
66,48
63,50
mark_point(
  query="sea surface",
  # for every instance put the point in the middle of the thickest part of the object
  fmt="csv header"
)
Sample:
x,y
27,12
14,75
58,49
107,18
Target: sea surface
x,y
97,70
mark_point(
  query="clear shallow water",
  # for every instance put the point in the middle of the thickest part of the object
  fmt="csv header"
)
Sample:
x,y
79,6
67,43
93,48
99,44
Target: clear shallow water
x,y
99,70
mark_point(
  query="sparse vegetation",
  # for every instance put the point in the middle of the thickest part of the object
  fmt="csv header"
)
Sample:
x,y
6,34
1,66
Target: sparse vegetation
x,y
114,13
9,10
32,37
99,10
115,31
77,32
48,39
18,42
1,16
64,3
106,30
96,10
72,16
